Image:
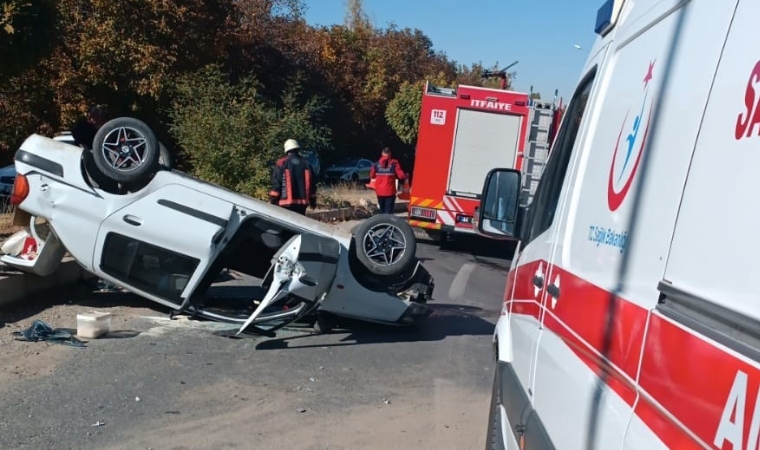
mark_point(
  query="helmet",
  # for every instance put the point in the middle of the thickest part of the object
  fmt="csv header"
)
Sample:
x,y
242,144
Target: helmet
x,y
291,144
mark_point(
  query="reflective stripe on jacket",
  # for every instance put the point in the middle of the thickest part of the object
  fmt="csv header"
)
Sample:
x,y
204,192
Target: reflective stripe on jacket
x,y
293,181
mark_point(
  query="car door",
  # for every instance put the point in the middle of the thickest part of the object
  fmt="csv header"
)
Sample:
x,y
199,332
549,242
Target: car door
x,y
302,272
161,244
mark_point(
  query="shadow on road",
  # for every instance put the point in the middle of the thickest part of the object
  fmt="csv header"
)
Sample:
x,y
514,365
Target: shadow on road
x,y
445,320
479,247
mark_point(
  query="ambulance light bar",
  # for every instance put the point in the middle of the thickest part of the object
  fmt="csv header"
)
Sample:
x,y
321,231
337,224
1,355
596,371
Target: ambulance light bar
x,y
607,16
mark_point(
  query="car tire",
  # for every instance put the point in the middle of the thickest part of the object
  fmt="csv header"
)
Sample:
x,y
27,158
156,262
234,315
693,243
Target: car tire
x,y
96,177
126,150
375,240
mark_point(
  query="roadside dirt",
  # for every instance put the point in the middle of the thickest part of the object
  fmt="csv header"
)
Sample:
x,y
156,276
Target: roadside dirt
x,y
24,360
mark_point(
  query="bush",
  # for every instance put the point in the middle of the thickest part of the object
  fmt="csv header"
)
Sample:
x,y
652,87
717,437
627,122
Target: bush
x,y
232,135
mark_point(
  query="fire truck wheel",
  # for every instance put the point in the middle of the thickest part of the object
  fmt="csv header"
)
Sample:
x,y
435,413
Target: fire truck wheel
x,y
385,245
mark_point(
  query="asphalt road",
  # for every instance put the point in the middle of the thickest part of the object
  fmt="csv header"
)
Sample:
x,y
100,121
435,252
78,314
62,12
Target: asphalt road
x,y
175,385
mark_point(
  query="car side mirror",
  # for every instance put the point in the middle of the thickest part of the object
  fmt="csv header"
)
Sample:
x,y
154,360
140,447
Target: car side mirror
x,y
497,215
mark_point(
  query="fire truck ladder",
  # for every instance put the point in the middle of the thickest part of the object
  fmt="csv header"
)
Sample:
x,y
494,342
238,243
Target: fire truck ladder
x,y
536,148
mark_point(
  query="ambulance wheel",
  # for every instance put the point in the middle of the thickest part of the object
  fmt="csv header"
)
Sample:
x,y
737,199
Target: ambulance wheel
x,y
126,150
385,245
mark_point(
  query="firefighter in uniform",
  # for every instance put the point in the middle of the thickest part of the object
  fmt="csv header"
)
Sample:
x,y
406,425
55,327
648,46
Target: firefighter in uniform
x,y
385,172
293,183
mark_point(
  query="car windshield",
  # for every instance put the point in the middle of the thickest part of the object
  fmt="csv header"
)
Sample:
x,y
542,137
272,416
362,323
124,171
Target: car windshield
x,y
349,162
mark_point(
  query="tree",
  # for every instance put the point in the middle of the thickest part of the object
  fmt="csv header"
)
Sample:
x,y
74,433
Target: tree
x,y
128,52
356,18
232,135
60,56
403,112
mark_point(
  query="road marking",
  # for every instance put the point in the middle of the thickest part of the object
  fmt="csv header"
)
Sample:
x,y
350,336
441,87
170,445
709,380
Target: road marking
x,y
459,284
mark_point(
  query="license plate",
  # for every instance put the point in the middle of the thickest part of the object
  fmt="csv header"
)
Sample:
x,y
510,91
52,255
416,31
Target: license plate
x,y
464,219
424,213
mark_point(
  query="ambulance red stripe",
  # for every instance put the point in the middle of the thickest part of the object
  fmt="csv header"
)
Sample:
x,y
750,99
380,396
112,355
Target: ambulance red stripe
x,y
688,376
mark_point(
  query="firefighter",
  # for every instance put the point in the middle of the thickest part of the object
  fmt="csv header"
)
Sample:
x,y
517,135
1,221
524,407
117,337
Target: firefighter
x,y
385,172
293,181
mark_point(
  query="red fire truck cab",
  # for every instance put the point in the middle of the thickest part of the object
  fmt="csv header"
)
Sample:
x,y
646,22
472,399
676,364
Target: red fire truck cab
x,y
463,134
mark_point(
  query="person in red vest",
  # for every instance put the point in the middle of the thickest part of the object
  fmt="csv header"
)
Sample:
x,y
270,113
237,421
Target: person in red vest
x,y
385,172
293,182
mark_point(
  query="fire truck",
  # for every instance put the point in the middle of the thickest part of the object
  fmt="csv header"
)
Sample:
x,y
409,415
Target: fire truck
x,y
465,132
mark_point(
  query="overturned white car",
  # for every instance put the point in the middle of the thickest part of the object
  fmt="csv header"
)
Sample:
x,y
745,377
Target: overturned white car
x,y
167,236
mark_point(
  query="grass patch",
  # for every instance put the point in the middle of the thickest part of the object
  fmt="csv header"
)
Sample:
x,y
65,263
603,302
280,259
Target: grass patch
x,y
343,195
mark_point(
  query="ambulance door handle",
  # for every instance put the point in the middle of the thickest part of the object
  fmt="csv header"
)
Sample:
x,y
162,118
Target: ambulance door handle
x,y
538,282
553,290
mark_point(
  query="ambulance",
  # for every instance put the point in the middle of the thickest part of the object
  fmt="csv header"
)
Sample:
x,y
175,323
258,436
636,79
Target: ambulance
x,y
631,317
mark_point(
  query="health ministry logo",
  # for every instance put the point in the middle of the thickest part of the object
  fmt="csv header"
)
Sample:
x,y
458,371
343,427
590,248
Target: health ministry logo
x,y
625,164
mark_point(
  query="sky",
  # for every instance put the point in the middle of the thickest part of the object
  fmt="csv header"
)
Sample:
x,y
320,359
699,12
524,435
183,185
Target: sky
x,y
540,34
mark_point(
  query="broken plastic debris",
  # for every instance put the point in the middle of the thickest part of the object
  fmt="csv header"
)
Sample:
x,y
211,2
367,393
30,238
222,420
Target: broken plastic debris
x,y
137,399
312,379
386,401
321,368
98,424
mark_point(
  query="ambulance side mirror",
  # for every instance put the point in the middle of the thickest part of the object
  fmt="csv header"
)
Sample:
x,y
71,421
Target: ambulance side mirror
x,y
497,215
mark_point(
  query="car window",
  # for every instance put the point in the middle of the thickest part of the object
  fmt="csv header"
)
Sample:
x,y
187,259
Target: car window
x,y
363,164
147,267
546,200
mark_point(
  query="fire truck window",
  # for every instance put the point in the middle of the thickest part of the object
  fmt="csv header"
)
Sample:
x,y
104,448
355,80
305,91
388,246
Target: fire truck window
x,y
546,200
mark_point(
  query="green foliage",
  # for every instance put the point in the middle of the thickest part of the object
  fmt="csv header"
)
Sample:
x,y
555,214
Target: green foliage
x,y
162,61
232,135
403,112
